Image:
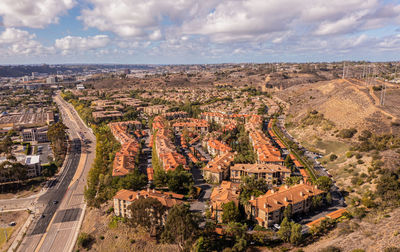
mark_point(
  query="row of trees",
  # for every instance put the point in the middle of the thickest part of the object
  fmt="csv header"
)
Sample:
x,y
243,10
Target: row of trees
x,y
101,186
58,136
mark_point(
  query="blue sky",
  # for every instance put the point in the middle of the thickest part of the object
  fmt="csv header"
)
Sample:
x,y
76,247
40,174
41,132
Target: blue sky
x,y
192,31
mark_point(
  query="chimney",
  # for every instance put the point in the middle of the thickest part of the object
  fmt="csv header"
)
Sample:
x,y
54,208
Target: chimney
x,y
154,190
301,181
286,187
148,189
301,194
265,205
137,195
272,190
252,197
286,199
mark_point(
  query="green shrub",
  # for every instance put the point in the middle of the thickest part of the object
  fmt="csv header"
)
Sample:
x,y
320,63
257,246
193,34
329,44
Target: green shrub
x,y
333,157
347,133
85,240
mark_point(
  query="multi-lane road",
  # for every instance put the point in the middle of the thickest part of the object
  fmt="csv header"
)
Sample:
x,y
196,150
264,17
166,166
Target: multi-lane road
x,y
61,208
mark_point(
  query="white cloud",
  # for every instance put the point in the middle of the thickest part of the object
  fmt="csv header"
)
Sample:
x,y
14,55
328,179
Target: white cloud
x,y
33,13
18,42
73,44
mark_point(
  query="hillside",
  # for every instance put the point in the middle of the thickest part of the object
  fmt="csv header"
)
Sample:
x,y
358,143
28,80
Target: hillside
x,y
319,114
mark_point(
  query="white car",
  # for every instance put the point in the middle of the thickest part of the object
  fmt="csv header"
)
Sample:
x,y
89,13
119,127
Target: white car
x,y
277,226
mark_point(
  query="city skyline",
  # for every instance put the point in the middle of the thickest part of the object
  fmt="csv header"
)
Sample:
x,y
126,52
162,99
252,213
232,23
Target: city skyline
x,y
189,32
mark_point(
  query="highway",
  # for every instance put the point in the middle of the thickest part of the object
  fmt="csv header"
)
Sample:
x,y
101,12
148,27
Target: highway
x,y
61,208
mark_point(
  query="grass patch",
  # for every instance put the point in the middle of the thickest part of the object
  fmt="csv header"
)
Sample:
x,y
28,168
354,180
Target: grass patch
x,y
332,147
3,231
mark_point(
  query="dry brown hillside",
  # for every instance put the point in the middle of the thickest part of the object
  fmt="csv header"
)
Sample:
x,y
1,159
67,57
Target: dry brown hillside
x,y
344,103
317,113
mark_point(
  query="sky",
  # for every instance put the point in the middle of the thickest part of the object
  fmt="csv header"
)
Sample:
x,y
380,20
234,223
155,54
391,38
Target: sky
x,y
197,31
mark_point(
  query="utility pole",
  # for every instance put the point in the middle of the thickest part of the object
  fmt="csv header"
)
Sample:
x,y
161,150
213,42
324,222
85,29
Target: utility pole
x,y
344,66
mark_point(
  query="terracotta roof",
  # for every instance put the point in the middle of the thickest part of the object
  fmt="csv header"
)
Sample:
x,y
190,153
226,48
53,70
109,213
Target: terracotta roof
x,y
218,145
315,222
274,200
220,163
336,214
166,198
226,192
257,168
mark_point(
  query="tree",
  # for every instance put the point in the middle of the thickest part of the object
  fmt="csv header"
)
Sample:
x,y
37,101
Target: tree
x,y
285,230
238,232
133,181
147,213
179,181
324,183
250,186
6,145
287,213
230,213
181,226
316,202
85,240
296,236
293,180
288,162
329,198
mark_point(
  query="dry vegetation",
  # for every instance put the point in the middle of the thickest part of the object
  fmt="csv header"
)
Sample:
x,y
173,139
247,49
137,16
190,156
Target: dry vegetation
x,y
117,236
12,231
320,116
375,233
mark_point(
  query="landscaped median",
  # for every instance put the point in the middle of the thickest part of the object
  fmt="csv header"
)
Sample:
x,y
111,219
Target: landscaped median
x,y
310,170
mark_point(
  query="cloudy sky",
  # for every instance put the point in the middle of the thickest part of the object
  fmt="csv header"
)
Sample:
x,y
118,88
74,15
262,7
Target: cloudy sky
x,y
197,31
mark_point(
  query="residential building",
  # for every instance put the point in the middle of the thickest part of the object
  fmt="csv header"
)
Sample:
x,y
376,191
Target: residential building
x,y
215,147
268,209
218,168
124,198
125,160
271,173
222,194
191,124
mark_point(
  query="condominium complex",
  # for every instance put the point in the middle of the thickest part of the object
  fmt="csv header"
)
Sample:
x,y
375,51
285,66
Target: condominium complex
x,y
268,209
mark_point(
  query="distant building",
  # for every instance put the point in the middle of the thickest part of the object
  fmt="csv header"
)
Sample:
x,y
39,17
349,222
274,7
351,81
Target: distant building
x,y
80,87
35,134
51,80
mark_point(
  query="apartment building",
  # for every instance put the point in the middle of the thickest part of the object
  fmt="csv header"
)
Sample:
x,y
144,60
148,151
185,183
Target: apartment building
x,y
218,168
271,173
215,147
191,124
125,160
167,155
124,198
222,194
268,209
155,110
176,115
99,115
